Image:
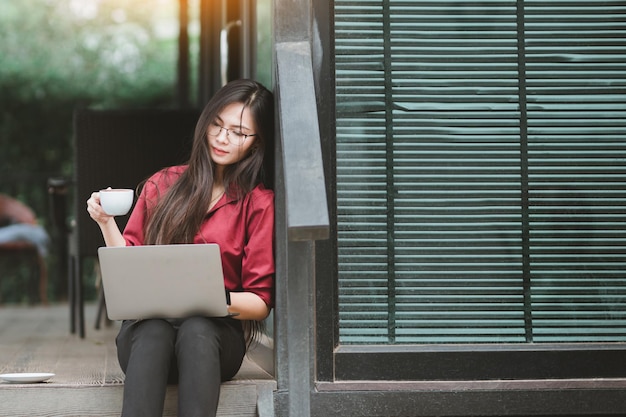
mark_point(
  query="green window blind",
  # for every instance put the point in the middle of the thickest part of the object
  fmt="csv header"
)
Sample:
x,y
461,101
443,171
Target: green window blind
x,y
481,171
576,139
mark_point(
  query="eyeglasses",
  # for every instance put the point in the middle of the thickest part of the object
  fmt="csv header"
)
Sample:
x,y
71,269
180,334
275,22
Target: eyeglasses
x,y
233,136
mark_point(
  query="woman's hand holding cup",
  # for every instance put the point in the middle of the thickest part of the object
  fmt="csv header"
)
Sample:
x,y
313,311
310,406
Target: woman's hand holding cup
x,y
110,202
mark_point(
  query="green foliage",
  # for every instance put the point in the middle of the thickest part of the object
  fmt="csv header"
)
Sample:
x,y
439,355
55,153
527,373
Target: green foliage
x,y
113,56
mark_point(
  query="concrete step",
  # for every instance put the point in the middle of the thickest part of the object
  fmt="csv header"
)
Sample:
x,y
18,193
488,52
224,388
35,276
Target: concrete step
x,y
88,381
237,398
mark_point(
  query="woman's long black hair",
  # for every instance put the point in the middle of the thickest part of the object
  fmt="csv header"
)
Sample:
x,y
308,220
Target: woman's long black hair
x,y
177,217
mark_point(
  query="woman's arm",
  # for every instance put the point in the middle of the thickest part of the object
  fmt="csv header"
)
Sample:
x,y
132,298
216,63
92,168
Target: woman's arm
x,y
257,267
248,305
110,231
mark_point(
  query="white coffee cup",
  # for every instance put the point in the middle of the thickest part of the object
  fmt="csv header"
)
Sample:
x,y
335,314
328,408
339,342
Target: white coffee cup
x,y
116,201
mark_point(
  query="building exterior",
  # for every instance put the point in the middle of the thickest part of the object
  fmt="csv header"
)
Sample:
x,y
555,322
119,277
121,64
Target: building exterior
x,y
451,185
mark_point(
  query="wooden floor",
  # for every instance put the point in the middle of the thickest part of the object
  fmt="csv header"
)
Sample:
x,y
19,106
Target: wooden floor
x,y
37,339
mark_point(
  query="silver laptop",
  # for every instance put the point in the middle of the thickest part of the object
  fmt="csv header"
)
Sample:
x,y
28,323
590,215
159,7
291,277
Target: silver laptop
x,y
164,281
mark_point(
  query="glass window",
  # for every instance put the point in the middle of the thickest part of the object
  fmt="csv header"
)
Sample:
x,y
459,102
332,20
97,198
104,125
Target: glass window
x,y
481,171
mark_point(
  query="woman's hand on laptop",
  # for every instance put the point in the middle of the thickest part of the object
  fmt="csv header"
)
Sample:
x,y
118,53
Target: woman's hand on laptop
x,y
248,305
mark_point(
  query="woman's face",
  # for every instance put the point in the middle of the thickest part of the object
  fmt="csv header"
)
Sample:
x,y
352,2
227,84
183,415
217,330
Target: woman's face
x,y
231,135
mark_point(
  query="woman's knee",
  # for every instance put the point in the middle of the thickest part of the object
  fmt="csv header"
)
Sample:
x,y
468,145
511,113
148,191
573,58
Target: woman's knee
x,y
148,338
154,329
198,328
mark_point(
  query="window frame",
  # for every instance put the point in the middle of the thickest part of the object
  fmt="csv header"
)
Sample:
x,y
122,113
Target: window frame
x,y
335,362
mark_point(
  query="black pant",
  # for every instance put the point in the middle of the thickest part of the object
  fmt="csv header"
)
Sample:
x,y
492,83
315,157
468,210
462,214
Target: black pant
x,y
198,353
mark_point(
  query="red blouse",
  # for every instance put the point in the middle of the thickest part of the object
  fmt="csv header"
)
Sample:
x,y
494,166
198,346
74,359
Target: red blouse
x,y
243,229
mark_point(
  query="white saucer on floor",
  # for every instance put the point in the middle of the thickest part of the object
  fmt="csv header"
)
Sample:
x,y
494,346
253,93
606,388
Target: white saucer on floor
x,y
27,377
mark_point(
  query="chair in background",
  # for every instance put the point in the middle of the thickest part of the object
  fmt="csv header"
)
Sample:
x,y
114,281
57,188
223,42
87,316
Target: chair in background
x,y
120,149
21,238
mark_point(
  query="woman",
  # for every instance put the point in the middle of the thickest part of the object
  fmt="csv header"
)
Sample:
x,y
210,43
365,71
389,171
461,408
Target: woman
x,y
218,197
